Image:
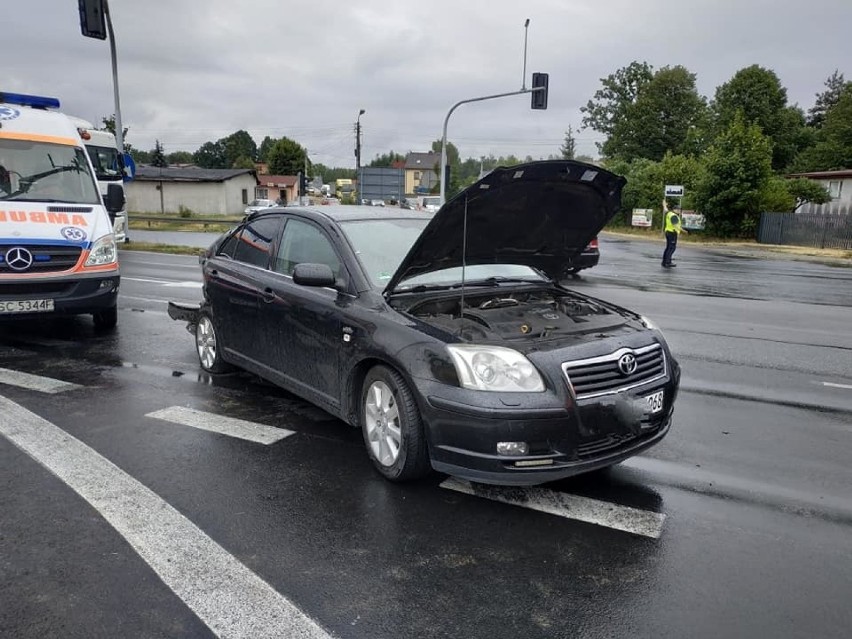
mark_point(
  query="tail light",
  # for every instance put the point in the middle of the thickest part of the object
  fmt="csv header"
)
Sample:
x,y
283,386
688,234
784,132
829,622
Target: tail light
x,y
593,244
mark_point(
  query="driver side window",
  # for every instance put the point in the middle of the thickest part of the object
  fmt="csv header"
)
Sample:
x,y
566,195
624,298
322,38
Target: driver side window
x,y
304,243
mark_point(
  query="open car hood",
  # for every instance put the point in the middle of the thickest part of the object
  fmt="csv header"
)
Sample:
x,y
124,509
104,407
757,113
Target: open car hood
x,y
539,214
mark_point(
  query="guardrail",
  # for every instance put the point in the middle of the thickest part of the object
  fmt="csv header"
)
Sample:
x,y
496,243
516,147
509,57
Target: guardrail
x,y
205,222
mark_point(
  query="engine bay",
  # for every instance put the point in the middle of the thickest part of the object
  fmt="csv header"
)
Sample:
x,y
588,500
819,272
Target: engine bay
x,y
515,315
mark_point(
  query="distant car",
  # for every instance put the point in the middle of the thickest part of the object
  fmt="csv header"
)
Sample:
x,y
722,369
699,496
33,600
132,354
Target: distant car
x,y
408,204
446,338
430,204
589,257
377,202
258,205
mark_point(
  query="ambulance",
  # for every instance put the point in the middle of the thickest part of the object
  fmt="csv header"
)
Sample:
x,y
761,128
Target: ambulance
x,y
58,254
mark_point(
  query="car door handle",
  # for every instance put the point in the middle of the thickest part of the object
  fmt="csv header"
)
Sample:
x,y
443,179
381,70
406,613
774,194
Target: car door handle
x,y
268,295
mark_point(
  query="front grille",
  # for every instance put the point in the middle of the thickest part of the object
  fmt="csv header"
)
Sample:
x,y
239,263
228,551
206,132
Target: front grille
x,y
601,375
35,289
46,258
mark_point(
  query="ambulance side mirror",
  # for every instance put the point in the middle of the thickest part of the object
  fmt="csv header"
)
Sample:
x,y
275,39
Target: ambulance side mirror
x,y
114,200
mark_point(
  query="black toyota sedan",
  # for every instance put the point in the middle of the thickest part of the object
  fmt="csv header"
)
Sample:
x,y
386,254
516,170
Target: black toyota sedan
x,y
446,338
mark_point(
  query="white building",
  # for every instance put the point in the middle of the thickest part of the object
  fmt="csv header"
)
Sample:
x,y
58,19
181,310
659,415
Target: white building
x,y
839,186
205,191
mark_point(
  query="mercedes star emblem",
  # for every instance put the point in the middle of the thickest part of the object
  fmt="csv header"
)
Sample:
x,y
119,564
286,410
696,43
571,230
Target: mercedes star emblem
x,y
627,364
19,258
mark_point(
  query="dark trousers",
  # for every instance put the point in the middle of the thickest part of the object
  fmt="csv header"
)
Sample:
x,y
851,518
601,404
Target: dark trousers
x,y
671,245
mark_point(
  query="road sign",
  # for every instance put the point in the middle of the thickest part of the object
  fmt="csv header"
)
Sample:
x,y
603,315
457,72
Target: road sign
x,y
92,22
129,168
674,190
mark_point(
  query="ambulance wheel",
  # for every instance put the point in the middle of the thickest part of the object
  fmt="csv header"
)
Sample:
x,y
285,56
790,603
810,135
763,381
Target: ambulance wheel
x,y
106,319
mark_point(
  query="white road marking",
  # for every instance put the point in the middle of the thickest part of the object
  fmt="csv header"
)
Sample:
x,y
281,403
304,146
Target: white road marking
x,y
251,431
35,382
591,511
832,385
166,283
227,596
141,299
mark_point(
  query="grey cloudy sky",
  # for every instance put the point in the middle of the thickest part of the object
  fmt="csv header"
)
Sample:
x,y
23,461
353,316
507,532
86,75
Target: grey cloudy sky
x,y
197,70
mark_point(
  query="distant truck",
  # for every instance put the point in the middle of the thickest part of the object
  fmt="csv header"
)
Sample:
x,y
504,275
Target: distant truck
x,y
103,152
344,188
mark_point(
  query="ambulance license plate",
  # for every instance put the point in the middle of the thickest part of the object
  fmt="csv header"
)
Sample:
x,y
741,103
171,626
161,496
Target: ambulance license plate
x,y
655,402
26,306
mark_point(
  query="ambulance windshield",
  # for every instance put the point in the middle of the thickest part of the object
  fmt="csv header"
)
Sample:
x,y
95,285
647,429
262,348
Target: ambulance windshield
x,y
44,172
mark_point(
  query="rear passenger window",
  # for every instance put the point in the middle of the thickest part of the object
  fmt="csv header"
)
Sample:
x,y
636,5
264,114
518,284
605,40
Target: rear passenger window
x,y
254,243
227,247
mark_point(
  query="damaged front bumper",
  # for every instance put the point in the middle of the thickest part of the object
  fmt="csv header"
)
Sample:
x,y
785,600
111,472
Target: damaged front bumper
x,y
188,312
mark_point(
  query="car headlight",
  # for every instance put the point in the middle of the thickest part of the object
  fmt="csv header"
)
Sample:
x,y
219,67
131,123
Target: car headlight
x,y
493,368
103,251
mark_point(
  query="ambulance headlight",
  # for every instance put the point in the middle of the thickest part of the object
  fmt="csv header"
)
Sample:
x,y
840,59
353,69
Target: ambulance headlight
x,y
103,251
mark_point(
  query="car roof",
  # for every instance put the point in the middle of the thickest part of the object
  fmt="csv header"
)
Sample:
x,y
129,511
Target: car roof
x,y
347,213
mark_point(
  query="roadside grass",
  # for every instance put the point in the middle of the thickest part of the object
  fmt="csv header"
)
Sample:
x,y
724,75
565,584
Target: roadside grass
x,y
198,222
153,247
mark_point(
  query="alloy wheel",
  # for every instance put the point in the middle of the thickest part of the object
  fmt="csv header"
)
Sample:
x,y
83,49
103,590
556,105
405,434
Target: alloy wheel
x,y
382,422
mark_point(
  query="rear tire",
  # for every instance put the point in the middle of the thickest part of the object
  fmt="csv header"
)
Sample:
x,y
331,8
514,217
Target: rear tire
x,y
208,347
106,319
392,428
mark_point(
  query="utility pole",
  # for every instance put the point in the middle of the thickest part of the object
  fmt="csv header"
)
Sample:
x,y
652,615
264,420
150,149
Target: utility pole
x,y
358,144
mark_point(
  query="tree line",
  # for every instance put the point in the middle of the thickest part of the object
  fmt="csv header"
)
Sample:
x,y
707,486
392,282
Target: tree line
x,y
731,152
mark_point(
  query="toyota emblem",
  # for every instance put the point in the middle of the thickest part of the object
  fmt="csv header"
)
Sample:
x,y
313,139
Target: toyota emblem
x,y
19,259
627,364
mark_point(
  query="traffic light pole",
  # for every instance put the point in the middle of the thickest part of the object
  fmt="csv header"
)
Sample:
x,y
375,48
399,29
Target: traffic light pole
x,y
443,175
119,131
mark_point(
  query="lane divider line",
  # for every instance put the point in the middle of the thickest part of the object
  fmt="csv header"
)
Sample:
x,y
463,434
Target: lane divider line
x,y
226,595
250,431
833,385
590,511
35,382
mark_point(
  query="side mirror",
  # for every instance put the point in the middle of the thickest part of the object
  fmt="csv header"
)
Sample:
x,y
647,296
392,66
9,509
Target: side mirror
x,y
319,275
114,200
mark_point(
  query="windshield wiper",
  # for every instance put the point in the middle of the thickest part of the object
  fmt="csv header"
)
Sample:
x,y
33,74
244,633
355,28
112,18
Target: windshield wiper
x,y
505,279
27,182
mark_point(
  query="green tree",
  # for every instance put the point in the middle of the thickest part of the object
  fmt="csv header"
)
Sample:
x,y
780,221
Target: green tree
x,y
179,157
617,94
331,173
833,147
158,158
804,190
139,156
826,100
453,161
243,162
265,146
287,157
569,145
237,145
660,118
386,160
737,166
758,94
211,155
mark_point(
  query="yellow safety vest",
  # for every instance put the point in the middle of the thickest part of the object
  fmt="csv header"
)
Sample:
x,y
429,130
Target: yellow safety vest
x,y
673,223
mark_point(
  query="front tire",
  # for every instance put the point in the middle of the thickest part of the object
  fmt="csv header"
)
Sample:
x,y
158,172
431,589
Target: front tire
x,y
208,347
391,425
106,319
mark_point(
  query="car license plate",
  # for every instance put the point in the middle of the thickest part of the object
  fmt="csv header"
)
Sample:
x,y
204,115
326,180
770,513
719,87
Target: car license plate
x,y
655,402
26,306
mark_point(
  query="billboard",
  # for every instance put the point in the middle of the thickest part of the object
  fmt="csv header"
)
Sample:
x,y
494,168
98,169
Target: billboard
x,y
642,217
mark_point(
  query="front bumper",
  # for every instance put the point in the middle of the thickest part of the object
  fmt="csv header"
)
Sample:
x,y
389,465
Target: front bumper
x,y
78,295
564,439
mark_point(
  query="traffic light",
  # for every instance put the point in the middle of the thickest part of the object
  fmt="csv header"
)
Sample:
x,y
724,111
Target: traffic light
x,y
539,98
303,184
92,22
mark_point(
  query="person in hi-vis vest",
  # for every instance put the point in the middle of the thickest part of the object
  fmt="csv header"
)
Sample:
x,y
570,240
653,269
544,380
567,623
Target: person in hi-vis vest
x,y
673,229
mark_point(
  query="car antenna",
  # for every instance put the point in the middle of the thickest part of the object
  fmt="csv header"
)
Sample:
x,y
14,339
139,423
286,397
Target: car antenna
x,y
463,263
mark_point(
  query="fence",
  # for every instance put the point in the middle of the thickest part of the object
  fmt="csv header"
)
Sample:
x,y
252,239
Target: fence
x,y
806,229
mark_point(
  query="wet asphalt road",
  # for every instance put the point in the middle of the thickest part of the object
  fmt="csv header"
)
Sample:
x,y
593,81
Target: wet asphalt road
x,y
754,481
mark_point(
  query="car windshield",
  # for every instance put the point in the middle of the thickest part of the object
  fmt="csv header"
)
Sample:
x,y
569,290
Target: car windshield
x,y
105,161
476,273
381,244
41,171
